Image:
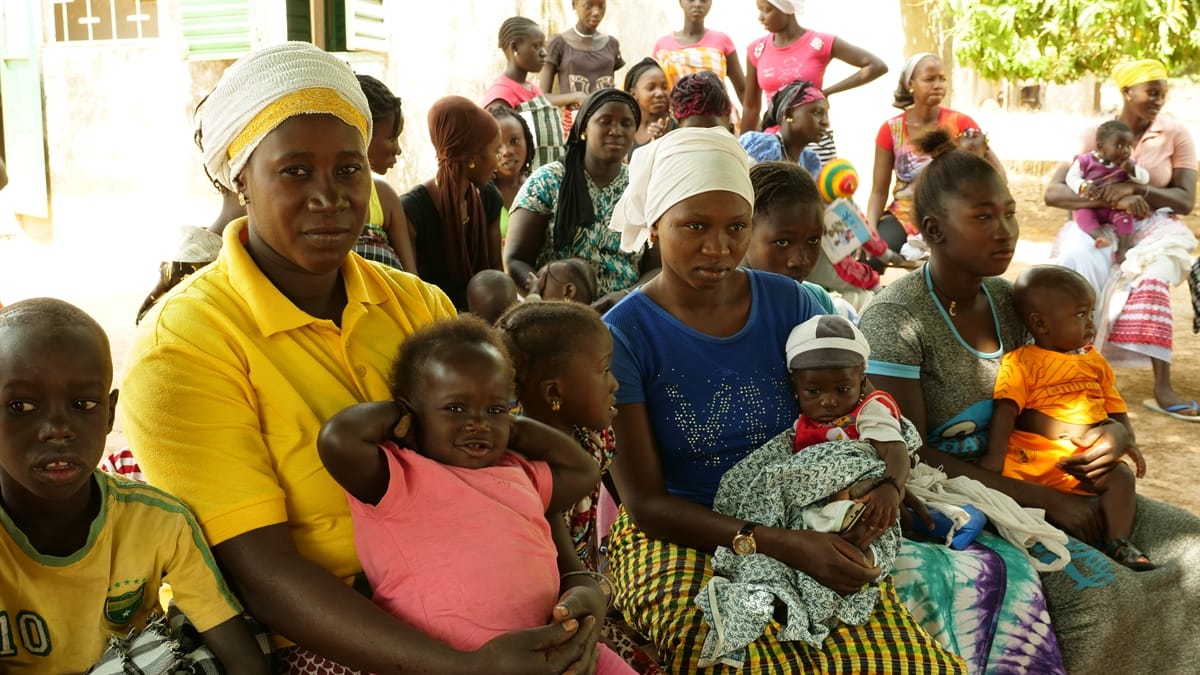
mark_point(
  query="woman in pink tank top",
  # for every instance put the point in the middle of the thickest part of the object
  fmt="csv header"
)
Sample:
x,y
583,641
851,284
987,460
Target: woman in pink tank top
x,y
791,52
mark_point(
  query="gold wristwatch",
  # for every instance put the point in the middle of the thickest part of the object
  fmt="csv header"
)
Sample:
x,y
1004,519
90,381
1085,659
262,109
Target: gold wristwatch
x,y
743,541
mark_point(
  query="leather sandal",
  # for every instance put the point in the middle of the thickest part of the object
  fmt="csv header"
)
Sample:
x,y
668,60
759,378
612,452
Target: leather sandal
x,y
1123,551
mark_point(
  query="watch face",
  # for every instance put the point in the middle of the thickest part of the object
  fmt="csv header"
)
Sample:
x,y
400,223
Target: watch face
x,y
743,544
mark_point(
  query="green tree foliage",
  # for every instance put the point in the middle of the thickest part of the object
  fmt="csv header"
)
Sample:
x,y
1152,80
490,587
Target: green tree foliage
x,y
1060,40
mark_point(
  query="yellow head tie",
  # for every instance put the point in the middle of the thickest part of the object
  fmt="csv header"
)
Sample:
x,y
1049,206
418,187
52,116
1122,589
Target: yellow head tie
x,y
1136,72
314,100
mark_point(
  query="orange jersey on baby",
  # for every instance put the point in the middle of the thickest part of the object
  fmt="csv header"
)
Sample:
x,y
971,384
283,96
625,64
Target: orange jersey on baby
x,y
1075,388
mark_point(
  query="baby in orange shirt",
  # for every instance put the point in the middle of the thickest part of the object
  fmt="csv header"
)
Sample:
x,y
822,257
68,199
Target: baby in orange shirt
x,y
1052,392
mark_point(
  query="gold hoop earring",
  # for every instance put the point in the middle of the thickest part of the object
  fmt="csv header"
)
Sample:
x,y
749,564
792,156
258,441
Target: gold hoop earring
x,y
583,136
471,164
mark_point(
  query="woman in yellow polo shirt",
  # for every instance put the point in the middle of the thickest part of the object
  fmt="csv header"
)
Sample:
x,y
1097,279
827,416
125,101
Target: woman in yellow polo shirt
x,y
234,371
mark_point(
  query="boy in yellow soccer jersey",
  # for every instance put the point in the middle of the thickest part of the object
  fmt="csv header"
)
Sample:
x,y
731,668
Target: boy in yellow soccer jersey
x,y
82,554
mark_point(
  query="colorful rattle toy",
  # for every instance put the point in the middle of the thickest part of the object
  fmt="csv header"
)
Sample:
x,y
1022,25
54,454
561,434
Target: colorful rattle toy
x,y
837,179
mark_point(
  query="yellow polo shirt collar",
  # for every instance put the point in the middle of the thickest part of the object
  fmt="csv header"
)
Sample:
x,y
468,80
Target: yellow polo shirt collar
x,y
273,312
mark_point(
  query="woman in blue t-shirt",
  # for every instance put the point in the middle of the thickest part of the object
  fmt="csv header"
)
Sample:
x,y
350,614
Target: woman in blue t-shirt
x,y
699,355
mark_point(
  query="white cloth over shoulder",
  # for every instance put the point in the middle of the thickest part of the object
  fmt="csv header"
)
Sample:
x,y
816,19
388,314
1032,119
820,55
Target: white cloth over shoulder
x,y
1023,527
681,164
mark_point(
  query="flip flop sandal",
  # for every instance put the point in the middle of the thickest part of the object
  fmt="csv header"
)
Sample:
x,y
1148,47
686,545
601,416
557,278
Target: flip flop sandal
x,y
1176,410
1124,552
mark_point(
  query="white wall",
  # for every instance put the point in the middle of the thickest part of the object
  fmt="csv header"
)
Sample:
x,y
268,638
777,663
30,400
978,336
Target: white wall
x,y
119,126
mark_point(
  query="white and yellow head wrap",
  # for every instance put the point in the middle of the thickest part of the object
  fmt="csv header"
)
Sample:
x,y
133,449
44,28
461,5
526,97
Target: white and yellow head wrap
x,y
683,163
1131,73
264,88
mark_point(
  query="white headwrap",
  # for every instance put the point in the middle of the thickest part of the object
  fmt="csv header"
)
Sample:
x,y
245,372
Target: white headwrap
x,y
264,88
683,163
910,66
789,6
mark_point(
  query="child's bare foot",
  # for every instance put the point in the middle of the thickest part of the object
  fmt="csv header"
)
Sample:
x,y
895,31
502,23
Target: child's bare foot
x,y
1102,242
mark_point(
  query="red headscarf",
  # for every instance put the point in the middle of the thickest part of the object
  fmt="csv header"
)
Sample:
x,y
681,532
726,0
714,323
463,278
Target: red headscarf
x,y
460,130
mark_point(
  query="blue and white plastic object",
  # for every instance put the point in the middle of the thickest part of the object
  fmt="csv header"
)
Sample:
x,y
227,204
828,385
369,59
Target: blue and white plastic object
x,y
957,526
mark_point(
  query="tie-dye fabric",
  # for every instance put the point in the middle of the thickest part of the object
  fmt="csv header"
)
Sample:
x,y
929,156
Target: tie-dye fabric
x,y
986,604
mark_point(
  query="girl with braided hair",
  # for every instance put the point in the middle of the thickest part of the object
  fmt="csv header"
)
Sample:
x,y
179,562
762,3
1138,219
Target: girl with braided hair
x,y
524,46
647,83
385,238
699,100
516,159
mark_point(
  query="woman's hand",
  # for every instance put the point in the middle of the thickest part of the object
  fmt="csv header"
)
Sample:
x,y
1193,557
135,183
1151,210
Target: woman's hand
x,y
1077,515
553,649
658,127
861,535
833,561
1113,193
1101,447
587,605
1134,205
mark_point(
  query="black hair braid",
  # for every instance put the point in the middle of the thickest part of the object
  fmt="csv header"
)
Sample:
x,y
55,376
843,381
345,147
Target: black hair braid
x,y
948,170
515,29
381,101
540,336
699,93
777,183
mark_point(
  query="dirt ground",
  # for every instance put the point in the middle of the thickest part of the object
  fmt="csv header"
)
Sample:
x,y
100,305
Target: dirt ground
x,y
1172,460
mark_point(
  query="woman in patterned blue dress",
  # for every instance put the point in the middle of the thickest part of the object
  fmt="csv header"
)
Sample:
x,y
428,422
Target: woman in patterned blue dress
x,y
564,208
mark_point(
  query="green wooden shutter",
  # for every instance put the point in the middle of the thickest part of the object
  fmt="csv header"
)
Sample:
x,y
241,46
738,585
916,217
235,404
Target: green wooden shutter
x,y
28,190
365,31
217,29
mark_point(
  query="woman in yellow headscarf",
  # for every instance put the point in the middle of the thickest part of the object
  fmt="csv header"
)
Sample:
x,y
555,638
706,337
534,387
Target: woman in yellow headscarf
x,y
233,372
1133,298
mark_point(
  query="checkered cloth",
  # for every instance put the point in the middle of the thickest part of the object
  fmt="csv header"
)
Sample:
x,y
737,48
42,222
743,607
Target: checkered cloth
x,y
166,646
546,122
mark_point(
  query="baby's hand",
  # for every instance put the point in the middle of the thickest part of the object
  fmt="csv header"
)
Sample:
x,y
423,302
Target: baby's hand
x,y
881,507
1103,242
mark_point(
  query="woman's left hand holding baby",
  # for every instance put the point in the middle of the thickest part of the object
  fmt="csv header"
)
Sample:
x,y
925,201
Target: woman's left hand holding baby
x,y
587,604
1101,447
